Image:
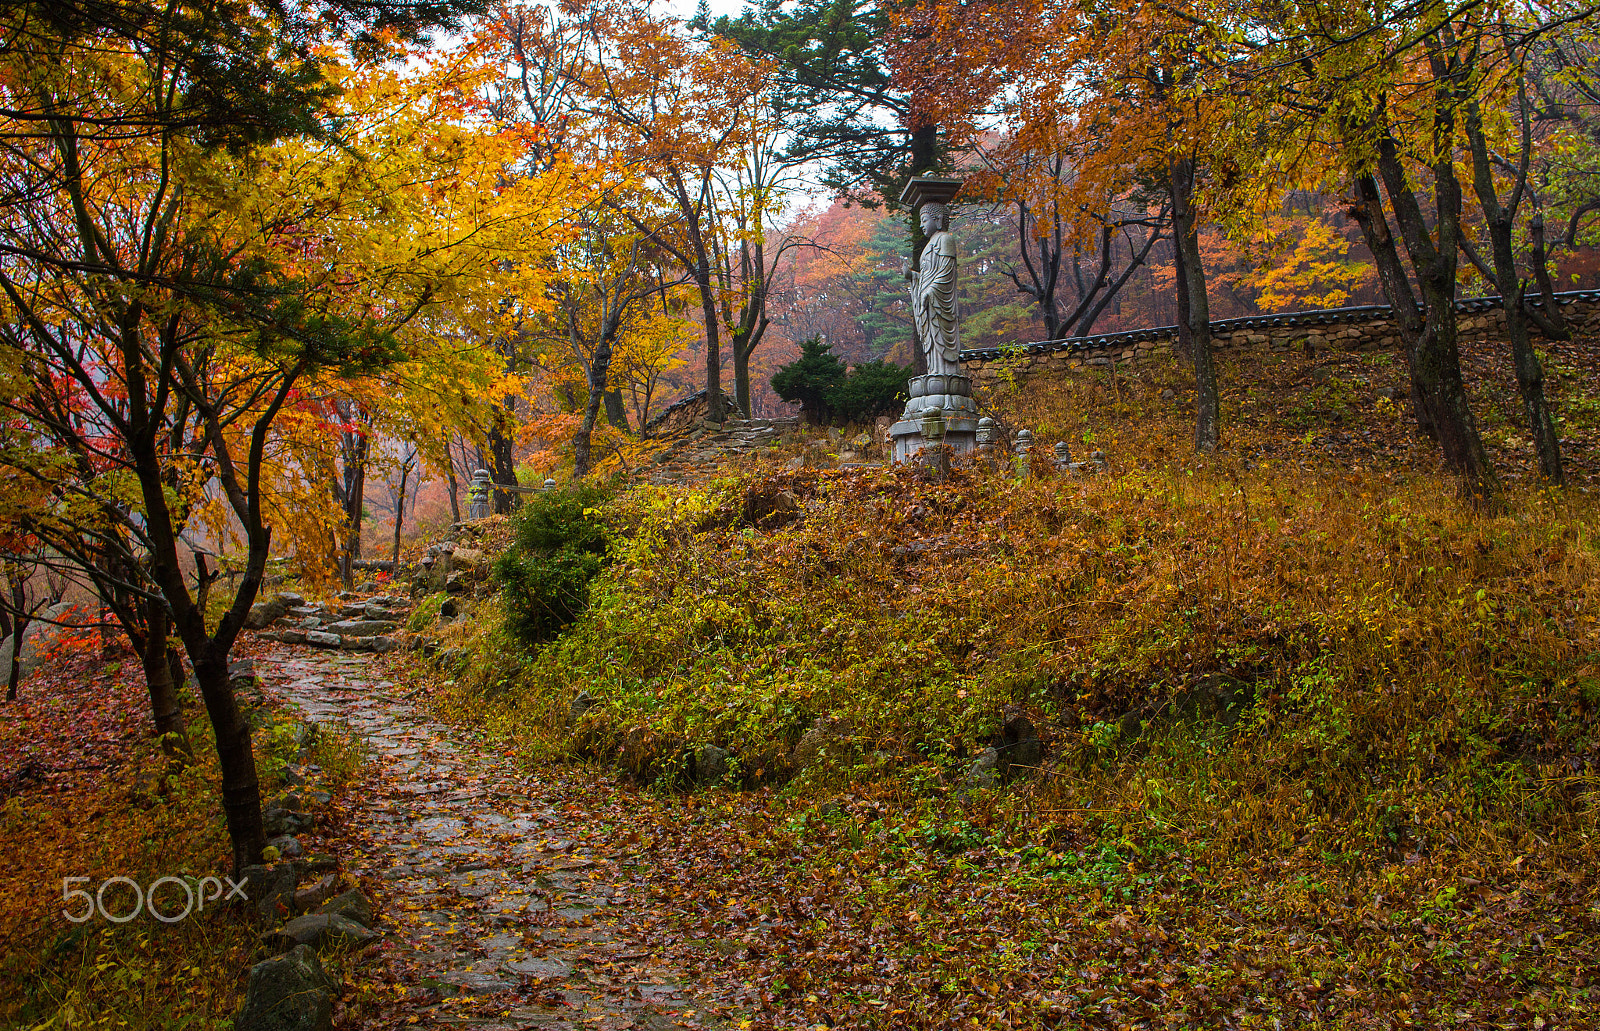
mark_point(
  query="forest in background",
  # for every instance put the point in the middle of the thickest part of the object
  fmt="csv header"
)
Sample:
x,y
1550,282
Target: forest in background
x,y
266,268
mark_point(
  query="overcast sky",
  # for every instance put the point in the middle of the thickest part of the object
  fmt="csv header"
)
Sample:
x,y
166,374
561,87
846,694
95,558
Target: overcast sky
x,y
686,8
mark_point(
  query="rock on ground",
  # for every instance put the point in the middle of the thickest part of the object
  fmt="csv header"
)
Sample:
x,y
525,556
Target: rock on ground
x,y
291,992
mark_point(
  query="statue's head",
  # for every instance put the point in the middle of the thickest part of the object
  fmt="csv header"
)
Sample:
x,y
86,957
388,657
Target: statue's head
x,y
932,217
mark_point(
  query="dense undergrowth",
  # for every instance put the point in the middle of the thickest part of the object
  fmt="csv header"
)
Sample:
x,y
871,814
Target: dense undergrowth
x,y
1320,740
85,793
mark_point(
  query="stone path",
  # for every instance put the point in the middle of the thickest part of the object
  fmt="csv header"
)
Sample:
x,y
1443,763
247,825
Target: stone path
x,y
484,901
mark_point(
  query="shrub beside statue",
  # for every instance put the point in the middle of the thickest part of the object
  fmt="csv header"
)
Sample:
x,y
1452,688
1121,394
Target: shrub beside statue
x,y
831,393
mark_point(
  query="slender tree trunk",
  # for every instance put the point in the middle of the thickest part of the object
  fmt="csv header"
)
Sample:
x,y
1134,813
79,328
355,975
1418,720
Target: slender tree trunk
x,y
1368,212
1552,323
14,621
1187,231
1530,384
1180,282
156,656
716,409
502,449
450,480
582,441
400,512
14,673
741,377
355,501
241,788
1500,219
744,346
203,579
599,377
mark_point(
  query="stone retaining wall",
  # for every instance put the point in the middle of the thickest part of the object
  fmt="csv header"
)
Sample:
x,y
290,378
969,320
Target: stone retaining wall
x,y
1367,328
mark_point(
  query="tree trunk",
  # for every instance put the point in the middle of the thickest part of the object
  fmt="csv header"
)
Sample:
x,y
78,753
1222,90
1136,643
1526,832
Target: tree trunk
x,y
599,376
1369,215
716,410
1436,360
1180,285
741,379
355,501
1193,287
599,369
1500,219
1530,384
17,629
502,463
400,512
203,579
156,657
450,481
241,790
1553,325
616,410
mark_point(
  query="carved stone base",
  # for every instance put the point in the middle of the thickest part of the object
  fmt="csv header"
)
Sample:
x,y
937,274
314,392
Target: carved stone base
x,y
949,392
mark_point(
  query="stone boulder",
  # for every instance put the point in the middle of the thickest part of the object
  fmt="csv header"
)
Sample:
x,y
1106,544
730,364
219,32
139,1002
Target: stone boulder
x,y
319,931
288,846
983,772
1020,750
314,895
265,613
469,560
291,992
269,890
710,765
277,820
352,905
580,705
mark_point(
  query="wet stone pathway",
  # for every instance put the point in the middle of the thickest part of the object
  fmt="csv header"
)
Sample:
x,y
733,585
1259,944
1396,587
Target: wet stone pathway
x,y
491,917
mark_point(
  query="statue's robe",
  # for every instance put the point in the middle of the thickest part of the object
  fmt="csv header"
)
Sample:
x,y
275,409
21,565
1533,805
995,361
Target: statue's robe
x,y
933,302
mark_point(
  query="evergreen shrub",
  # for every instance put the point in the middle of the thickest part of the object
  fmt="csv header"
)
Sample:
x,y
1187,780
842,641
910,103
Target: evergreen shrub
x,y
559,545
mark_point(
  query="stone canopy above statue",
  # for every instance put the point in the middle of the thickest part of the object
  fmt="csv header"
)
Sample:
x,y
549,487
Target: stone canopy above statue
x,y
929,189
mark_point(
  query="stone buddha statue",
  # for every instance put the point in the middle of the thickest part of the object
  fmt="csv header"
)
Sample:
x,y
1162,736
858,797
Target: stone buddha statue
x,y
933,293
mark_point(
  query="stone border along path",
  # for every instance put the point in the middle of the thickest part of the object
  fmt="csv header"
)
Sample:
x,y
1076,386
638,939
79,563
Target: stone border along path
x,y
478,893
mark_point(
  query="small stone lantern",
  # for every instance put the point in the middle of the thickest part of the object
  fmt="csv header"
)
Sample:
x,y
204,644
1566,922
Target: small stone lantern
x,y
1024,449
478,495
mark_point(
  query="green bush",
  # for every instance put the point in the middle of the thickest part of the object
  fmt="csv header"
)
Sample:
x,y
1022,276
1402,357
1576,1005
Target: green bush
x,y
870,390
809,378
827,393
558,547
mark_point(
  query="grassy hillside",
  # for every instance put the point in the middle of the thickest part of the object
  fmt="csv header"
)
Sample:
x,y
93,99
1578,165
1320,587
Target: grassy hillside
x,y
1319,741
